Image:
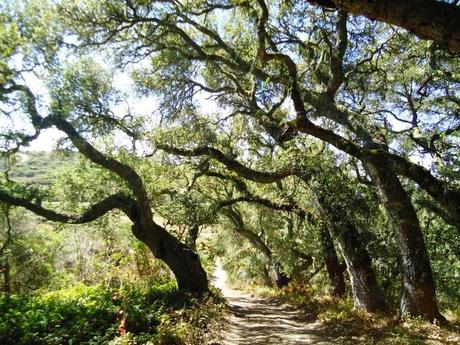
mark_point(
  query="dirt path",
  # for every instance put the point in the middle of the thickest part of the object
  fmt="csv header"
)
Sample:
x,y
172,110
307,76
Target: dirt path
x,y
255,320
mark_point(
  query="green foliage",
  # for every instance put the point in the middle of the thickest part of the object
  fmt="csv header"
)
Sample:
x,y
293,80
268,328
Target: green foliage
x,y
28,30
9,42
216,80
43,256
77,315
30,251
442,241
36,169
95,315
83,91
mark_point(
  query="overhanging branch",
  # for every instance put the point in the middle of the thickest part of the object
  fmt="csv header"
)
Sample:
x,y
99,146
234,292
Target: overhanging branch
x,y
428,19
85,148
231,164
95,211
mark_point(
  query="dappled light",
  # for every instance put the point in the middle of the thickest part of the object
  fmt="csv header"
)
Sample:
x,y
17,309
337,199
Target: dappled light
x,y
190,172
255,320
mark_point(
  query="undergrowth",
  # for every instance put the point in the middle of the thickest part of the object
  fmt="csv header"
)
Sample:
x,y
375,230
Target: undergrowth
x,y
353,326
96,315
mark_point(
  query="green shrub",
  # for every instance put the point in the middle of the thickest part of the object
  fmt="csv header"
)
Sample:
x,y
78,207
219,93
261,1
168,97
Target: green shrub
x,y
71,316
96,315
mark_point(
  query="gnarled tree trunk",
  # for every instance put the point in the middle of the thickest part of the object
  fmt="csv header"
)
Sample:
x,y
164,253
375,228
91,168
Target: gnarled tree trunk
x,y
366,291
333,266
182,260
275,271
418,291
428,19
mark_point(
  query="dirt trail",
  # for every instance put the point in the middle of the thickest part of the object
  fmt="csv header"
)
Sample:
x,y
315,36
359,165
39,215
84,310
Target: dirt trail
x,y
255,320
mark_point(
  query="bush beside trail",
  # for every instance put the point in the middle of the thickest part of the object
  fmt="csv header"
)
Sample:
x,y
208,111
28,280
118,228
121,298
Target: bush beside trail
x,y
96,314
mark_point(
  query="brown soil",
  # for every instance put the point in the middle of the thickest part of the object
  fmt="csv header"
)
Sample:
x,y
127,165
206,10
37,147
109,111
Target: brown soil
x,y
255,320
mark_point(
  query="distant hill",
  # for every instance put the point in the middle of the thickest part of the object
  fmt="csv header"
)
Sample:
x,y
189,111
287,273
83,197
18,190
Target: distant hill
x,y
37,168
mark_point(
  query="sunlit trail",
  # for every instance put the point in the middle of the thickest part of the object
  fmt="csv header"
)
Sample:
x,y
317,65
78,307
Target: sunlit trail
x,y
255,320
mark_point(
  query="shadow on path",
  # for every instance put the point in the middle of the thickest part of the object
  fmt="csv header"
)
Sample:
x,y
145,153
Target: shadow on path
x,y
255,320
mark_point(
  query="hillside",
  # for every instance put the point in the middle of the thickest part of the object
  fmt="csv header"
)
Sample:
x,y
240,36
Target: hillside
x,y
37,168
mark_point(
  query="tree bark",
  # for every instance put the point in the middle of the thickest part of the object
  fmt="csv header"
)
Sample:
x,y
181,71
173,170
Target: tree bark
x,y
333,266
276,273
182,260
5,269
448,197
418,291
366,291
280,279
428,19
192,235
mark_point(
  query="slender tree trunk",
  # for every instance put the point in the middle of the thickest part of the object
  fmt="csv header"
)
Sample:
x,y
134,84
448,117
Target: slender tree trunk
x,y
280,278
333,266
192,236
418,292
366,291
5,270
276,273
7,277
183,261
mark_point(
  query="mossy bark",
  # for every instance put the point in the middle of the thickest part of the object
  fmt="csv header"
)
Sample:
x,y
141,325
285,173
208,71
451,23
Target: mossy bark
x,y
333,266
367,294
418,288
